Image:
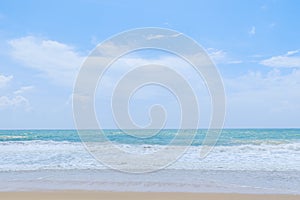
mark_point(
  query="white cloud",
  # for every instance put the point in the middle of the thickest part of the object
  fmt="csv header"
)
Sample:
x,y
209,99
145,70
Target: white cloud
x,y
153,37
252,31
264,100
290,53
289,60
255,99
56,60
16,98
23,90
4,80
95,40
216,55
15,101
221,57
158,36
151,93
273,80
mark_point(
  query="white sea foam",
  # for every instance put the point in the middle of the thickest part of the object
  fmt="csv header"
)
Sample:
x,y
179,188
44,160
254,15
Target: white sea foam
x,y
37,155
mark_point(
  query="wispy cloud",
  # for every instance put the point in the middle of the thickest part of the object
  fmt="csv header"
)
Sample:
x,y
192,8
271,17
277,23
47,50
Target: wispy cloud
x,y
221,57
152,37
216,55
56,60
264,7
23,90
290,53
4,80
158,36
252,31
13,99
272,25
275,93
289,60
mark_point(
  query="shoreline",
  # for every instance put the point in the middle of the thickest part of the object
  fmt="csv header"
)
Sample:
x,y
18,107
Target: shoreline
x,y
82,194
183,181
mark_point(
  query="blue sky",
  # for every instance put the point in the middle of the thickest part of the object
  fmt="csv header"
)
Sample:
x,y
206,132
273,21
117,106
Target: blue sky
x,y
254,44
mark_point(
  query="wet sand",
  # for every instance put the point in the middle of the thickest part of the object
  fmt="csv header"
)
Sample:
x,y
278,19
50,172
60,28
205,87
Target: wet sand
x,y
74,195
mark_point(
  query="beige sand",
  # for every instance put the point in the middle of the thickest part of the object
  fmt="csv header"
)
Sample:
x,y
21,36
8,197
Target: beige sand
x,y
74,195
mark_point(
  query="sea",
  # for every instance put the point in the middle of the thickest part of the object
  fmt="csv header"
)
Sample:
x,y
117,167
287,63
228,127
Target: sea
x,y
242,161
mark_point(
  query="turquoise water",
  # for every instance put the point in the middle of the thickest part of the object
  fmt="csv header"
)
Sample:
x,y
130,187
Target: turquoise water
x,y
227,137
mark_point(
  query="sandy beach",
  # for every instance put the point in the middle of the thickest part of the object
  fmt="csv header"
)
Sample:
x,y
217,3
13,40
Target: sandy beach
x,y
74,195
